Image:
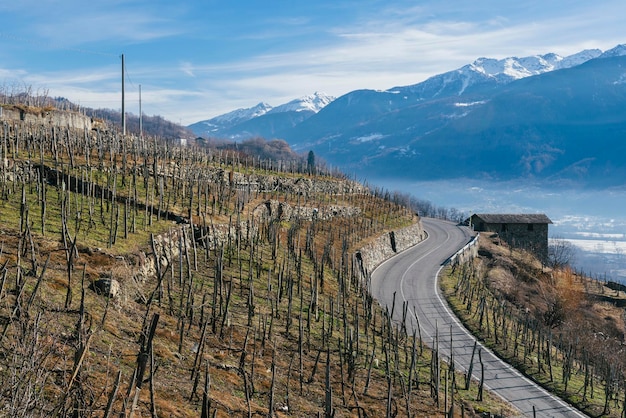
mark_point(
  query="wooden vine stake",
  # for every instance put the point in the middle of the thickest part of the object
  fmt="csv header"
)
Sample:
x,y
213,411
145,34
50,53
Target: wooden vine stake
x,y
142,361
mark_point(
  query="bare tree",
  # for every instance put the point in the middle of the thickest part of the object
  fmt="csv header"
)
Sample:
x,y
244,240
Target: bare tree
x,y
560,252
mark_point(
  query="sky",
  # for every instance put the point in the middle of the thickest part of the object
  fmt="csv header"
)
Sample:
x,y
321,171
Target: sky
x,y
193,60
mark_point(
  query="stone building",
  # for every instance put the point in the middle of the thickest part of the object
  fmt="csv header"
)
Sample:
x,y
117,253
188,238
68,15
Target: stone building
x,y
527,231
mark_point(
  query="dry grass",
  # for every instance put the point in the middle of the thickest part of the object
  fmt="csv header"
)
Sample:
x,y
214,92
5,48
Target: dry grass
x,y
114,345
560,300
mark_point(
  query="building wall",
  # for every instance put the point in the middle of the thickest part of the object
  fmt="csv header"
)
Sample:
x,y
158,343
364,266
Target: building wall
x,y
520,236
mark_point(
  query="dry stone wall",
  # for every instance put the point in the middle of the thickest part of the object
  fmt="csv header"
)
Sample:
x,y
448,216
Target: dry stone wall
x,y
253,182
169,246
72,120
386,246
274,209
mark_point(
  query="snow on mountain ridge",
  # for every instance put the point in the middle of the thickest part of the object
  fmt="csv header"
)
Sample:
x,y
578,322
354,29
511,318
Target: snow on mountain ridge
x,y
579,58
502,71
313,102
241,115
456,82
618,51
515,68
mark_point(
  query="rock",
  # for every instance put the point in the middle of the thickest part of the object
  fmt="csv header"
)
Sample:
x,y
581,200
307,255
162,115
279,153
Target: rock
x,y
107,287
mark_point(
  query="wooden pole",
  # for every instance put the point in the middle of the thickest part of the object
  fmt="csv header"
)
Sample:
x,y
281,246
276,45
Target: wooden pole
x,y
123,104
142,361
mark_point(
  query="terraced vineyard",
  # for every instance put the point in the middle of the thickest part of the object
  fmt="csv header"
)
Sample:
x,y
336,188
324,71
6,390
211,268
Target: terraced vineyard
x,y
144,278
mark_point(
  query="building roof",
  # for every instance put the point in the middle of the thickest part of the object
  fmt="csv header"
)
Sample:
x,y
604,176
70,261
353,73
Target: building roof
x,y
505,218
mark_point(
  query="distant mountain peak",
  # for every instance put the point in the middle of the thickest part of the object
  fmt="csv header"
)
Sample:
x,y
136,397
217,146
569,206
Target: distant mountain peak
x,y
618,51
222,125
230,119
580,57
373,114
243,114
498,71
514,68
313,102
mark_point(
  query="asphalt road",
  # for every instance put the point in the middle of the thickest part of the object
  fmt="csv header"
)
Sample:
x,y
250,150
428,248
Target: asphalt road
x,y
412,276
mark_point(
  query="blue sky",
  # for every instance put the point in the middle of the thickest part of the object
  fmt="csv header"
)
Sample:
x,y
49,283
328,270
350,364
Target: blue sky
x,y
198,59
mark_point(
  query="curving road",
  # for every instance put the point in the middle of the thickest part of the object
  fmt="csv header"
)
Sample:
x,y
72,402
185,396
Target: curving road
x,y
412,276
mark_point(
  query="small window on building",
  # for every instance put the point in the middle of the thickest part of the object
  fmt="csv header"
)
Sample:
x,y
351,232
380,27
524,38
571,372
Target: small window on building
x,y
503,228
531,227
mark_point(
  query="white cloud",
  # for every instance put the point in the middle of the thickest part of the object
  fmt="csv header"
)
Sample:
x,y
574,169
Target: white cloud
x,y
400,44
105,26
72,23
187,68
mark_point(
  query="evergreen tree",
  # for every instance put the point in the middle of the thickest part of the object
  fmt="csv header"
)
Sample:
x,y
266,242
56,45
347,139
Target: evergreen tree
x,y
310,162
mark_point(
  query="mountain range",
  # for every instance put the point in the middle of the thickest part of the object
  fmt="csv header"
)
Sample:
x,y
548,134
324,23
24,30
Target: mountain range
x,y
546,118
262,120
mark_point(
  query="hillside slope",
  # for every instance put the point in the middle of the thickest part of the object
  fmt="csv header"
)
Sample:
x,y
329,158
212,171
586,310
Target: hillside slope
x,y
561,329
172,281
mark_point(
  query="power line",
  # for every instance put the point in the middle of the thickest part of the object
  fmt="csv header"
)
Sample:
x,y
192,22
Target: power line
x,y
128,76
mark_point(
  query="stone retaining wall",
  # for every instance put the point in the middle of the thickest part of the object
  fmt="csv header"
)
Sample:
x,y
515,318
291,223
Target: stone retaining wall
x,y
274,209
72,120
386,246
168,246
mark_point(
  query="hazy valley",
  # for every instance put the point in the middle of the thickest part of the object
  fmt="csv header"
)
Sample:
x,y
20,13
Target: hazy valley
x,y
593,220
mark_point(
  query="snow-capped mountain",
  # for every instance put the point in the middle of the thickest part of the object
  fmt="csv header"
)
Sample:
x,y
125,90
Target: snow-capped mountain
x,y
244,114
579,58
482,73
489,72
492,119
241,122
618,51
213,126
547,117
514,68
313,102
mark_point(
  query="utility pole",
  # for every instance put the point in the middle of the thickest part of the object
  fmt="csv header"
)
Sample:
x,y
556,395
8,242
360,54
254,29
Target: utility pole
x,y
123,108
140,115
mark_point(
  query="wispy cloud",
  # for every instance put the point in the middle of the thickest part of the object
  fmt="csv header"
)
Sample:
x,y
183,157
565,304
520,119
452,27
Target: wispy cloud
x,y
396,52
72,23
198,61
88,78
187,68
109,26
